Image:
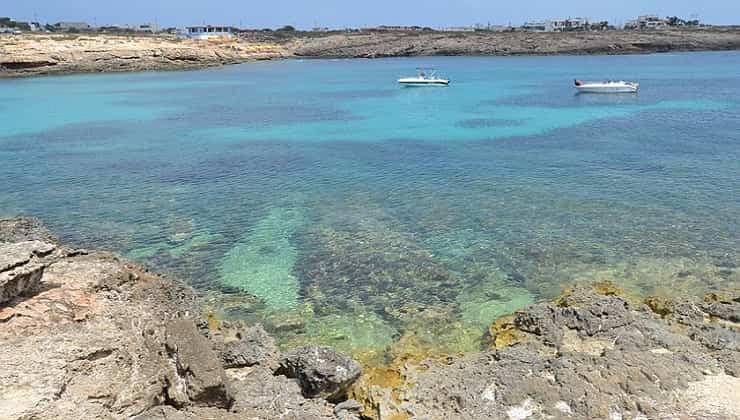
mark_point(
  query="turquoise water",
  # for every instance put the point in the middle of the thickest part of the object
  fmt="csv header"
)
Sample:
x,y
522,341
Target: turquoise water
x,y
322,200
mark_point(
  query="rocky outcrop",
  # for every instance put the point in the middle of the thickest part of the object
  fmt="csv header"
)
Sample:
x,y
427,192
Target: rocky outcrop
x,y
94,336
246,346
28,55
430,43
321,371
18,275
589,355
88,335
198,370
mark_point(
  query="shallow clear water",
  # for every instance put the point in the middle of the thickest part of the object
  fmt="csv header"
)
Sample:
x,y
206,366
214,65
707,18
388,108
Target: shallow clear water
x,y
321,199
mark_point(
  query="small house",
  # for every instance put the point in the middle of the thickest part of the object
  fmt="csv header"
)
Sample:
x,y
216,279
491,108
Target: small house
x,y
208,32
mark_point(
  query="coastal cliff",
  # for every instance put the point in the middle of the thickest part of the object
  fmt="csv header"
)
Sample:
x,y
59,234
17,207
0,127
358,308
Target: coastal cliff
x,y
484,43
87,334
31,55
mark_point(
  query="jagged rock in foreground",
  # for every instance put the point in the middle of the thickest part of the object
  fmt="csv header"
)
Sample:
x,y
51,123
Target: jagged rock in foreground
x,y
90,336
591,354
320,371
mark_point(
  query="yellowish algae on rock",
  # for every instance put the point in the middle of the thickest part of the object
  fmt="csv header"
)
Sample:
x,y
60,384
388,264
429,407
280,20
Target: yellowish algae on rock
x,y
361,333
664,276
262,262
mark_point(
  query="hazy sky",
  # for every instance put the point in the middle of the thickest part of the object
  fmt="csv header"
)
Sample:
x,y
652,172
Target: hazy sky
x,y
340,13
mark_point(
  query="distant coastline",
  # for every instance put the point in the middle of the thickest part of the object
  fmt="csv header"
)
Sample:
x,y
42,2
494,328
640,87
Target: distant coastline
x,y
44,54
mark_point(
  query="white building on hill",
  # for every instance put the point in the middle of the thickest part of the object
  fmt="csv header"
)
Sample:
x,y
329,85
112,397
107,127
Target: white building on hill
x,y
565,25
208,32
647,22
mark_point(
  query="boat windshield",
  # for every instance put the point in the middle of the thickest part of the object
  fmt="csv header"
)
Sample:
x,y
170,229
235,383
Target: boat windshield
x,y
425,73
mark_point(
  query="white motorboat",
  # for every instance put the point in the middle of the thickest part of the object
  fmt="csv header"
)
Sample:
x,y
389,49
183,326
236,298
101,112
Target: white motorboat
x,y
610,86
424,77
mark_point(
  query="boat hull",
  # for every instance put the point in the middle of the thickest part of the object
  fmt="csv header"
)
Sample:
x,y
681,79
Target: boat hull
x,y
607,89
422,82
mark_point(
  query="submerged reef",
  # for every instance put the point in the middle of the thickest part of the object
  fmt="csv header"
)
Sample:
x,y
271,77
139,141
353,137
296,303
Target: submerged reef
x,y
378,268
262,262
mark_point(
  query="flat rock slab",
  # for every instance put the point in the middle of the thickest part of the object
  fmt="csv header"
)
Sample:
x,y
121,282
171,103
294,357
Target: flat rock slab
x,y
19,281
18,273
16,254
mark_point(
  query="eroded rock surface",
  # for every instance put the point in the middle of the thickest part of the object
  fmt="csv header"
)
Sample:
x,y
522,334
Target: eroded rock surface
x,y
588,356
93,336
69,53
369,44
321,371
246,346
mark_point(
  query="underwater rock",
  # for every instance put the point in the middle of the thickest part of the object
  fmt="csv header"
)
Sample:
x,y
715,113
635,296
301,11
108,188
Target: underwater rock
x,y
197,240
146,252
381,269
262,262
321,371
484,302
185,243
434,331
360,332
22,229
664,277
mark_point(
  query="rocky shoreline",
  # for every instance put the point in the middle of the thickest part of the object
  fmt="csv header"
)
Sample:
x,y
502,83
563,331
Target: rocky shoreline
x,y
33,55
87,334
403,44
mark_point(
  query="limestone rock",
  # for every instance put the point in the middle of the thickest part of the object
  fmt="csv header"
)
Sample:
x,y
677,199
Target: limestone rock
x,y
365,44
589,356
320,371
104,338
261,394
249,346
20,268
19,281
15,254
348,410
52,53
198,369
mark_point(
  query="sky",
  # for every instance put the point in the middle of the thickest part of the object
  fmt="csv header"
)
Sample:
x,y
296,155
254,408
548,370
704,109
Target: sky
x,y
348,13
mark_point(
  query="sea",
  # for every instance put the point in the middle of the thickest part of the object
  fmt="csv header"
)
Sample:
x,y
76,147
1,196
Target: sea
x,y
325,202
